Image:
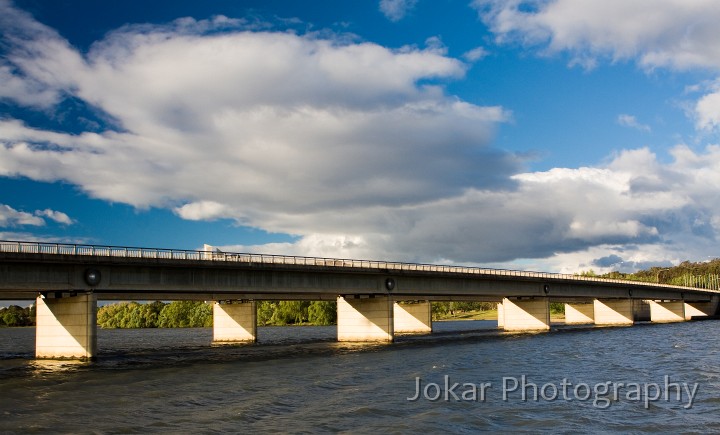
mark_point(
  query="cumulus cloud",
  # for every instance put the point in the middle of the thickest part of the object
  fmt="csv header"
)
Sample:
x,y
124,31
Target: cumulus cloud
x,y
354,148
632,122
659,33
319,125
9,217
395,10
56,216
707,109
634,207
476,54
675,34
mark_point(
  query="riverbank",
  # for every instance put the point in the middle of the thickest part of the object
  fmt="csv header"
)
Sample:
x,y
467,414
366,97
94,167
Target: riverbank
x,y
487,315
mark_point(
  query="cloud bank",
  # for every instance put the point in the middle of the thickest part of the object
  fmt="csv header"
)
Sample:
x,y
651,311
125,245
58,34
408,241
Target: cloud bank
x,y
355,148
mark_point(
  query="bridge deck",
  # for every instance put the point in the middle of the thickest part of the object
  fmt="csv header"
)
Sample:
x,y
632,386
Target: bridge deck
x,y
147,273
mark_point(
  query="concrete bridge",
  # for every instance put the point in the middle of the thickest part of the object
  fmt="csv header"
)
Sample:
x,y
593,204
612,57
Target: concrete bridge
x,y
375,299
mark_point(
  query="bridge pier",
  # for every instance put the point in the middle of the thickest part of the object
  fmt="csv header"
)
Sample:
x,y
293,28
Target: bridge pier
x,y
701,309
526,314
667,311
613,311
66,327
579,313
500,315
365,319
412,317
234,322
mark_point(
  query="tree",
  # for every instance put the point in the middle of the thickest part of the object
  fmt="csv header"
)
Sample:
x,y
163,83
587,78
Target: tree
x,y
185,314
15,315
322,313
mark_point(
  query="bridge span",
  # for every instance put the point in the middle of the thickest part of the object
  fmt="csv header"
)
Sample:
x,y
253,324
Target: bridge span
x,y
376,299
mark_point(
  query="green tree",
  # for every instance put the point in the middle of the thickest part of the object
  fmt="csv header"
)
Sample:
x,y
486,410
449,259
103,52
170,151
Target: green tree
x,y
322,313
15,315
185,314
265,311
290,312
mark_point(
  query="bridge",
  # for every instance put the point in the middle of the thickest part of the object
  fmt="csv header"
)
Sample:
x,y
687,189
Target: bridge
x,y
375,299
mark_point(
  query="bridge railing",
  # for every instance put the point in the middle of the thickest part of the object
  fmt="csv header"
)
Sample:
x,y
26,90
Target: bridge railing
x,y
219,256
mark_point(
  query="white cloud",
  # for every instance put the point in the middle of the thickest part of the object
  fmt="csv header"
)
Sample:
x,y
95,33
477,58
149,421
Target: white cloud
x,y
205,210
396,10
676,34
658,33
632,122
9,217
560,220
476,54
707,109
56,216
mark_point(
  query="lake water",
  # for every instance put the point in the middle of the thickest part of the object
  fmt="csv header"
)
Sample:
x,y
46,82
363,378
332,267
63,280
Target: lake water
x,y
298,379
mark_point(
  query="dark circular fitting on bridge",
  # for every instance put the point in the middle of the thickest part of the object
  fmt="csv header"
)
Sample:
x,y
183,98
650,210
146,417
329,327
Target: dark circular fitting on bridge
x,y
390,284
630,292
92,277
546,289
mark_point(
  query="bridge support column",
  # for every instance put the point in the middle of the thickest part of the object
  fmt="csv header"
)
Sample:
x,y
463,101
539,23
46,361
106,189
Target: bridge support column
x,y
701,309
613,311
641,310
234,322
500,315
412,317
579,313
66,327
366,319
526,314
673,311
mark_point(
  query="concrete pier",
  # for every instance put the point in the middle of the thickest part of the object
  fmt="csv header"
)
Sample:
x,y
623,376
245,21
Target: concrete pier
x,y
412,317
700,309
579,313
613,311
66,327
365,319
526,314
500,315
667,311
234,322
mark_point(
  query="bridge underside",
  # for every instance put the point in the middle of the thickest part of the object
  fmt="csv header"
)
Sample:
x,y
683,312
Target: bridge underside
x,y
66,326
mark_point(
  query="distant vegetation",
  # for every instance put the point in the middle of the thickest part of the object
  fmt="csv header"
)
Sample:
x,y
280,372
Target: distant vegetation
x,y
296,312
193,314
17,316
701,274
177,314
450,310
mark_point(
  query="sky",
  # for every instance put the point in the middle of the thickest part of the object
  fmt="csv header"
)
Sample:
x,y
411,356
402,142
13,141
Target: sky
x,y
554,135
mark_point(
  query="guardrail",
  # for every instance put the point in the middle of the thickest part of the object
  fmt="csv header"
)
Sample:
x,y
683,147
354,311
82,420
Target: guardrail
x,y
216,255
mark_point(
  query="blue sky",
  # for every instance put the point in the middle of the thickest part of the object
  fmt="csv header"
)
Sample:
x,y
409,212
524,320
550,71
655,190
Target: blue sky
x,y
560,135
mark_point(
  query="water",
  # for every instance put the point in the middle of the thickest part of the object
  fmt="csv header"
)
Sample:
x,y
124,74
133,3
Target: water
x,y
300,380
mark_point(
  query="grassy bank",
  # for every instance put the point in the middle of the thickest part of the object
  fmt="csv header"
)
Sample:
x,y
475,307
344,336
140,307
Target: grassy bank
x,y
487,315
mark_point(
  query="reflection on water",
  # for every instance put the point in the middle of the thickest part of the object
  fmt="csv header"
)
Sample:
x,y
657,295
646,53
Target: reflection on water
x,y
299,379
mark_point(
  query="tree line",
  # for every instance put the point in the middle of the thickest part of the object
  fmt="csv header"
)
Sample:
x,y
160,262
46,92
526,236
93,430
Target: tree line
x,y
176,314
702,274
198,314
15,315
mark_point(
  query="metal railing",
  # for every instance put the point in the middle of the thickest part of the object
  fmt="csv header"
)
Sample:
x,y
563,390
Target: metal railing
x,y
216,255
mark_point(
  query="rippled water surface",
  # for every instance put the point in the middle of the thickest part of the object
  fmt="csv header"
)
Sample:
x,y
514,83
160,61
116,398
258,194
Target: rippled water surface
x,y
298,379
